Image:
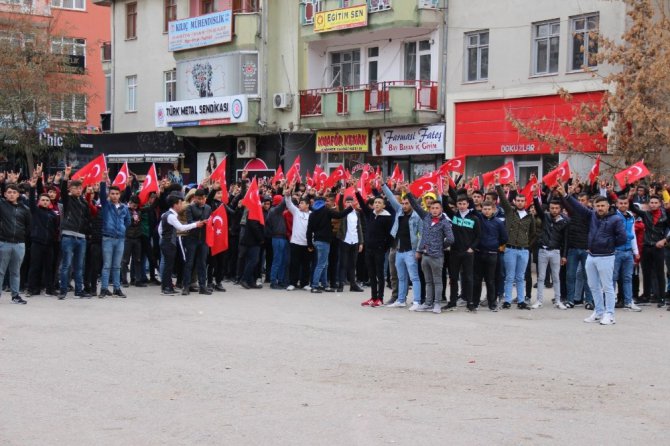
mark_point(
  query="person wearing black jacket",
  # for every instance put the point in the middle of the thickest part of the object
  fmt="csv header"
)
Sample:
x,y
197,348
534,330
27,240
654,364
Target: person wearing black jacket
x,y
74,226
14,231
552,249
493,234
577,233
377,239
133,246
43,230
194,243
252,240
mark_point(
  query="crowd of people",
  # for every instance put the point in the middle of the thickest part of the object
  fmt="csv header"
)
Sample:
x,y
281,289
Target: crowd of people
x,y
459,247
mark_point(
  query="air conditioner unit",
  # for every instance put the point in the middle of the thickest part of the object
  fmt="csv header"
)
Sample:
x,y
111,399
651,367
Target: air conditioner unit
x,y
282,101
246,147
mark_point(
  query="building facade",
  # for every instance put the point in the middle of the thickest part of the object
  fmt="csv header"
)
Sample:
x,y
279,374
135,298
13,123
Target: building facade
x,y
503,62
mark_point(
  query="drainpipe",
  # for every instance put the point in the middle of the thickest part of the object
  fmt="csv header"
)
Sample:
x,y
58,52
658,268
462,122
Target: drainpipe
x,y
443,86
112,106
262,56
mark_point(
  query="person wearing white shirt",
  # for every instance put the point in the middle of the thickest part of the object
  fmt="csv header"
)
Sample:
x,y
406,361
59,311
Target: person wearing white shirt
x,y
301,258
350,236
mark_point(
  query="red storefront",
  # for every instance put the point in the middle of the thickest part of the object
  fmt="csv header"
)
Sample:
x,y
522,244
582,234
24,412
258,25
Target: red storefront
x,y
486,137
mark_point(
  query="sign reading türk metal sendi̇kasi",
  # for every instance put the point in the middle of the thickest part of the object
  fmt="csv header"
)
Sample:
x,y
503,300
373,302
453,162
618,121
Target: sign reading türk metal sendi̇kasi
x,y
205,111
353,17
342,141
204,30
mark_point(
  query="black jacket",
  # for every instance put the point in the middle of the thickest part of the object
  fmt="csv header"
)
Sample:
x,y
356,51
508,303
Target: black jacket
x,y
14,222
577,230
76,215
653,232
553,235
467,230
319,226
377,227
44,222
253,234
195,213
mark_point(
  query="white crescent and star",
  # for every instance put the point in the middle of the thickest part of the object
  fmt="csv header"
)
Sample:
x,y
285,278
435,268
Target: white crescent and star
x,y
217,218
148,180
97,170
125,177
457,163
506,175
633,168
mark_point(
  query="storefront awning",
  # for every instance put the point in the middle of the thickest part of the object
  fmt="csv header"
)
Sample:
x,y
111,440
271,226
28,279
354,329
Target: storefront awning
x,y
120,158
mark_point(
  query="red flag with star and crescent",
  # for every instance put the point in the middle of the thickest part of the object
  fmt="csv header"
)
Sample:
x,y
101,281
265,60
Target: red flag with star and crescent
x,y
92,172
216,234
364,182
293,174
527,191
319,177
122,177
562,172
150,185
506,173
279,175
453,165
425,184
397,174
633,173
595,171
335,176
252,202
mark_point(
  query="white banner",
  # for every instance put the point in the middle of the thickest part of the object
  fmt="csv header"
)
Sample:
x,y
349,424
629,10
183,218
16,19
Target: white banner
x,y
204,30
423,140
205,111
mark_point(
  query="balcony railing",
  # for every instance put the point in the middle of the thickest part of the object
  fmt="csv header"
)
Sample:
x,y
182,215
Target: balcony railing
x,y
377,97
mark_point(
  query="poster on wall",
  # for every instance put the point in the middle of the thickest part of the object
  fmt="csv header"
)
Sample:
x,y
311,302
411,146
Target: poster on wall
x,y
207,162
423,140
222,75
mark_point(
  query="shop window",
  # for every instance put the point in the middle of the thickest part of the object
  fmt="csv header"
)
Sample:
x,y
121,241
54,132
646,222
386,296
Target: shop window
x,y
477,56
546,37
345,68
584,42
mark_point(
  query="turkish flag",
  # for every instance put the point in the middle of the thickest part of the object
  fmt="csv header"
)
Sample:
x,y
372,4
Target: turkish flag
x,y
347,174
453,165
335,176
279,175
425,184
92,172
595,171
397,174
293,174
350,192
252,202
219,173
150,185
506,173
216,234
635,172
364,182
309,180
562,172
319,177
121,177
527,191
475,183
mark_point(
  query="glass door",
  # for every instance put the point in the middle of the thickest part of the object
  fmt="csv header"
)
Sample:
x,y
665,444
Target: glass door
x,y
525,169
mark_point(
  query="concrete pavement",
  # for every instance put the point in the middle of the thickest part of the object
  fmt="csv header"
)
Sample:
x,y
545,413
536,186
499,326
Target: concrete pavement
x,y
291,368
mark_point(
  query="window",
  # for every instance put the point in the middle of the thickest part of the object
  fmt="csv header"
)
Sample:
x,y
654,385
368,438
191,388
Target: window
x,y
170,80
206,6
546,38
417,54
373,65
379,5
170,13
26,3
108,93
345,68
69,4
131,93
477,56
69,107
308,9
131,20
74,49
584,42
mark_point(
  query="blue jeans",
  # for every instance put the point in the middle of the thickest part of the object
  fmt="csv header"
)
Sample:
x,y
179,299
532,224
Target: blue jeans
x,y
73,255
320,275
11,257
576,278
599,272
623,269
516,261
279,260
408,269
112,253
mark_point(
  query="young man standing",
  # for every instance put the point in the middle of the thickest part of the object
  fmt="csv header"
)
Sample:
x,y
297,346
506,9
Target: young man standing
x,y
350,236
493,235
195,245
605,234
275,225
300,257
521,231
43,231
115,222
626,256
14,231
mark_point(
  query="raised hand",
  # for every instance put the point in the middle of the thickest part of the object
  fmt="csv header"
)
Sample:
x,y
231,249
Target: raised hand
x,y
68,171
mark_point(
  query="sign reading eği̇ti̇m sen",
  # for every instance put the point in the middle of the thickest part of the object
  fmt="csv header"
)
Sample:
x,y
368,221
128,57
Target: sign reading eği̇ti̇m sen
x,y
204,30
353,17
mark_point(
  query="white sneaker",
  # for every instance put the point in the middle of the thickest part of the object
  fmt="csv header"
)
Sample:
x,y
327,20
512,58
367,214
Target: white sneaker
x,y
632,307
560,306
259,282
414,307
290,288
423,307
536,305
608,319
437,309
593,318
397,304
307,288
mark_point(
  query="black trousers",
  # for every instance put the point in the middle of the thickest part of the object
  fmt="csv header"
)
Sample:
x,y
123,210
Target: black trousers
x,y
241,261
230,271
653,271
215,267
347,256
487,264
374,259
93,266
300,265
148,253
132,248
196,260
461,263
333,262
169,253
41,271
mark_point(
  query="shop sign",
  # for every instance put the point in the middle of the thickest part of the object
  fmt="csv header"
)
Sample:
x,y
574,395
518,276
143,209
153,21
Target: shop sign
x,y
221,75
424,140
342,141
204,30
344,18
198,112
